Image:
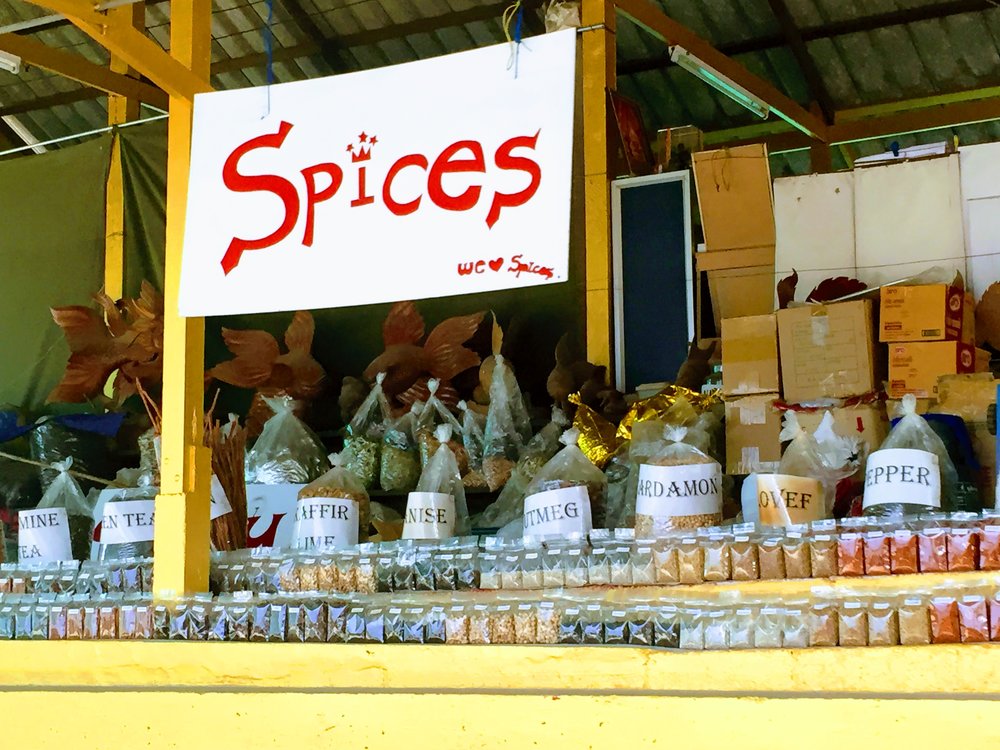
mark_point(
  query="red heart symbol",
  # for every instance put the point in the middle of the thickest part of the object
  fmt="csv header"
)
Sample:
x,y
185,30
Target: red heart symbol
x,y
495,265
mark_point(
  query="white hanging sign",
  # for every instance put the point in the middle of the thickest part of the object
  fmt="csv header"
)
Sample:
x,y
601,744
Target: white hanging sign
x,y
439,177
43,536
127,521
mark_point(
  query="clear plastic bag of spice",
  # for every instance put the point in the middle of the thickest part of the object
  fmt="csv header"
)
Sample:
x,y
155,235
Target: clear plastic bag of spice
x,y
437,508
363,441
473,438
508,428
287,451
568,495
911,472
509,505
332,511
435,414
64,493
399,467
680,487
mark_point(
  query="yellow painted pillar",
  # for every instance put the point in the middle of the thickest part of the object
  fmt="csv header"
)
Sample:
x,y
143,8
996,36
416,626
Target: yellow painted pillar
x,y
598,77
182,507
121,109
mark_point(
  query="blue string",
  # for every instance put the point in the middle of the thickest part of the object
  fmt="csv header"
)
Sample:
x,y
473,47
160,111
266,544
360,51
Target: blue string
x,y
269,42
518,22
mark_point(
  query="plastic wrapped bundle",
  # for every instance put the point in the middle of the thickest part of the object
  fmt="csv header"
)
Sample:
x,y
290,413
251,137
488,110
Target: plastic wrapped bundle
x,y
85,437
363,444
802,490
68,538
399,467
508,428
911,472
568,495
333,511
679,488
433,415
437,509
287,452
473,438
539,450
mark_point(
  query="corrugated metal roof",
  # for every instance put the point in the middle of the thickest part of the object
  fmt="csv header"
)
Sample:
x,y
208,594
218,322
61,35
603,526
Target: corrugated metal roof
x,y
873,63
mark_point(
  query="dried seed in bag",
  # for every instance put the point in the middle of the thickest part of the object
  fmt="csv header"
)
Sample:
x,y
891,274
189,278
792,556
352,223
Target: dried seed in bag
x,y
963,550
314,614
502,627
850,555
615,627
905,557
744,562
914,622
599,567
823,556
456,625
769,627
933,547
570,626
883,625
878,553
690,561
548,623
741,629
336,621
771,559
435,626
592,622
853,624
525,624
414,630
973,618
718,564
945,624
665,560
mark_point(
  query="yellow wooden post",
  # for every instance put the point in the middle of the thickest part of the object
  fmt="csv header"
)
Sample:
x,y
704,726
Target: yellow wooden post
x,y
121,109
182,515
598,77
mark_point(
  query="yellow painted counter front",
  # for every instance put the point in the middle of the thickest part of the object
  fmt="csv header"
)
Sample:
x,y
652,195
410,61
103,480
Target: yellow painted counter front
x,y
204,695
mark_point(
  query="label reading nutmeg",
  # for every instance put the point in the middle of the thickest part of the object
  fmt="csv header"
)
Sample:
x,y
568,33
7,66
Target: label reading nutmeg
x,y
558,512
326,523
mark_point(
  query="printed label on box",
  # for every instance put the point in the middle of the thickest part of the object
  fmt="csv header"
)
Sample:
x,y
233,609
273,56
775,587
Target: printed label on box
x,y
690,490
559,512
429,515
43,536
903,475
326,523
783,499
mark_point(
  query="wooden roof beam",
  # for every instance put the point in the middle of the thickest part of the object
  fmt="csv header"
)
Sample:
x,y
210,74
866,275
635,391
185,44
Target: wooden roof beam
x,y
845,131
131,45
649,17
817,88
79,69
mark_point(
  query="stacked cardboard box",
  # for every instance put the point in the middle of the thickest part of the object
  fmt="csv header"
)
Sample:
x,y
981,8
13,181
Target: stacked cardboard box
x,y
751,384
928,335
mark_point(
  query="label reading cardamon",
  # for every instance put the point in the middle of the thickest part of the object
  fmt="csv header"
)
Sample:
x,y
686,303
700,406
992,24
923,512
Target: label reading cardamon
x,y
688,490
558,512
326,523
429,515
903,475
786,500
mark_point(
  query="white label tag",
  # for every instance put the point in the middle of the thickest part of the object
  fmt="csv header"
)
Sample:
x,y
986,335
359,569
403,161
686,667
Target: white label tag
x,y
559,512
785,500
127,521
220,501
903,475
326,523
690,490
271,514
43,536
429,515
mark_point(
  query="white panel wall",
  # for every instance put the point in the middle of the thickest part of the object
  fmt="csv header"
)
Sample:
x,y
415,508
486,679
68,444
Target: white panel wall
x,y
981,198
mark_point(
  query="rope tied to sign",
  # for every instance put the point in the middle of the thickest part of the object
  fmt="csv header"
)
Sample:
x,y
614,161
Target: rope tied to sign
x,y
269,53
514,14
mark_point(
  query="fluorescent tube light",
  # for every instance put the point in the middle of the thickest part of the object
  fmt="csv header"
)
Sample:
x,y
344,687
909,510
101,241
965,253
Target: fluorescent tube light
x,y
719,82
10,63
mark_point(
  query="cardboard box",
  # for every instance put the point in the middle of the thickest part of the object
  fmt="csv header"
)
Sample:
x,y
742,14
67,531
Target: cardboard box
x,y
734,197
914,367
867,421
969,320
827,351
968,397
983,359
750,355
752,429
932,312
740,282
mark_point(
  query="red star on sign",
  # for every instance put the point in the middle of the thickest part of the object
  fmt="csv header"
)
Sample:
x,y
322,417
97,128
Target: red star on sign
x,y
373,140
363,137
350,147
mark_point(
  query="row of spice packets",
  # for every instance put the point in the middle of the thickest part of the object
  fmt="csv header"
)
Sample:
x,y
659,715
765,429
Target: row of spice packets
x,y
850,547
128,576
908,619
